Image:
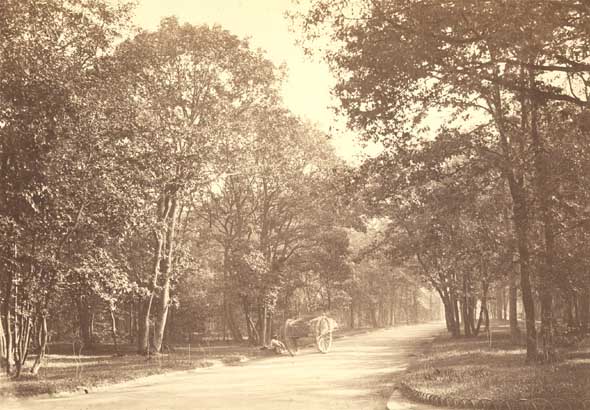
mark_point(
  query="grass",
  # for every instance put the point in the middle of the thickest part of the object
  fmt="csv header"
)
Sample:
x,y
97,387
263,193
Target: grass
x,y
472,369
65,372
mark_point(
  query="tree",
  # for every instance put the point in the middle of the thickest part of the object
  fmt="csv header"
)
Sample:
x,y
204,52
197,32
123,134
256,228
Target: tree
x,y
266,206
501,62
186,89
49,60
436,197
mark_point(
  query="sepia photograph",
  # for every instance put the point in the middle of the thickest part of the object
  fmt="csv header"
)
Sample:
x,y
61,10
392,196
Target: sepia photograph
x,y
294,204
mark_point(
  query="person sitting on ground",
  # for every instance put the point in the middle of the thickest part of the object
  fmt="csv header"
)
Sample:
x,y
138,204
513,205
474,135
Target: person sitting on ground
x,y
276,345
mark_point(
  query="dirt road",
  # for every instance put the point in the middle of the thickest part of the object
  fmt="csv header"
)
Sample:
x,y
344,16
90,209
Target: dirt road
x,y
356,374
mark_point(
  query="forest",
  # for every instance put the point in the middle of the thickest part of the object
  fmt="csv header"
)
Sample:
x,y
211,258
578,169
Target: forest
x,y
155,189
482,111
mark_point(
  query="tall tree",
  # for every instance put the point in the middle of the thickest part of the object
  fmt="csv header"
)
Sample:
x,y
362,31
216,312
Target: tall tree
x,y
186,88
49,60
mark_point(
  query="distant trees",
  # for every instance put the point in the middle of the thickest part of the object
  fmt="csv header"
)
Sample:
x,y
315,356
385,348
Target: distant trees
x,y
383,287
446,214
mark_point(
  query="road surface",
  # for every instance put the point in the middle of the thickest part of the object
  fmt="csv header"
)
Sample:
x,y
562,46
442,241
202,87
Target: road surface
x,y
357,373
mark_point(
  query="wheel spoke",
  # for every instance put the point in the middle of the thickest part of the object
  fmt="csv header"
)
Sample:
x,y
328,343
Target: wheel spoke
x,y
324,337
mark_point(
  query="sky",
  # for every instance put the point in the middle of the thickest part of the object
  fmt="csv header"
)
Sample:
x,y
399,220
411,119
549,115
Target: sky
x,y
306,91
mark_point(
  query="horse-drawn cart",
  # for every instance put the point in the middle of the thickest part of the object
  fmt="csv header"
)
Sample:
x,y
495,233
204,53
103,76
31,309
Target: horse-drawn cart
x,y
319,327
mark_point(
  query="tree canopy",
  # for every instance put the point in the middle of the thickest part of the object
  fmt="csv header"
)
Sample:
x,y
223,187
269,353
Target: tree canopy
x,y
505,76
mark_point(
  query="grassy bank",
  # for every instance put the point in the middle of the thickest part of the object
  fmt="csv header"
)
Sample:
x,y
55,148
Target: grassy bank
x,y
66,372
477,369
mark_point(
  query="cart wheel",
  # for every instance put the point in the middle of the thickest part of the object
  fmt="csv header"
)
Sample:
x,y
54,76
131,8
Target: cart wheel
x,y
324,335
288,339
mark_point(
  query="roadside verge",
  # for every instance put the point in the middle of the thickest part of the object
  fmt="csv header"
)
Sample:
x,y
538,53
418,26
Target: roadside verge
x,y
491,373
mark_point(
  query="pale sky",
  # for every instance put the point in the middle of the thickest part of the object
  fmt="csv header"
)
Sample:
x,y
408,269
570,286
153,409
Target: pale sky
x,y
306,90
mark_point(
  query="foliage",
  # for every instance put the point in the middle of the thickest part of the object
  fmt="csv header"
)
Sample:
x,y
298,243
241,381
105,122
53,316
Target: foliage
x,y
505,77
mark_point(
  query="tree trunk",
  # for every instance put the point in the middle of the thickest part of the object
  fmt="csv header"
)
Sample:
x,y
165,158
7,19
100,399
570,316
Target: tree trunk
x,y
23,326
415,305
91,328
3,345
114,329
449,316
447,305
42,333
143,340
472,310
483,312
544,194
170,217
585,310
7,319
263,334
391,321
456,318
520,211
270,326
466,318
373,313
246,309
516,184
232,324
171,332
500,302
132,329
576,310
253,337
85,318
359,314
483,318
160,325
143,322
569,310
465,308
512,311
